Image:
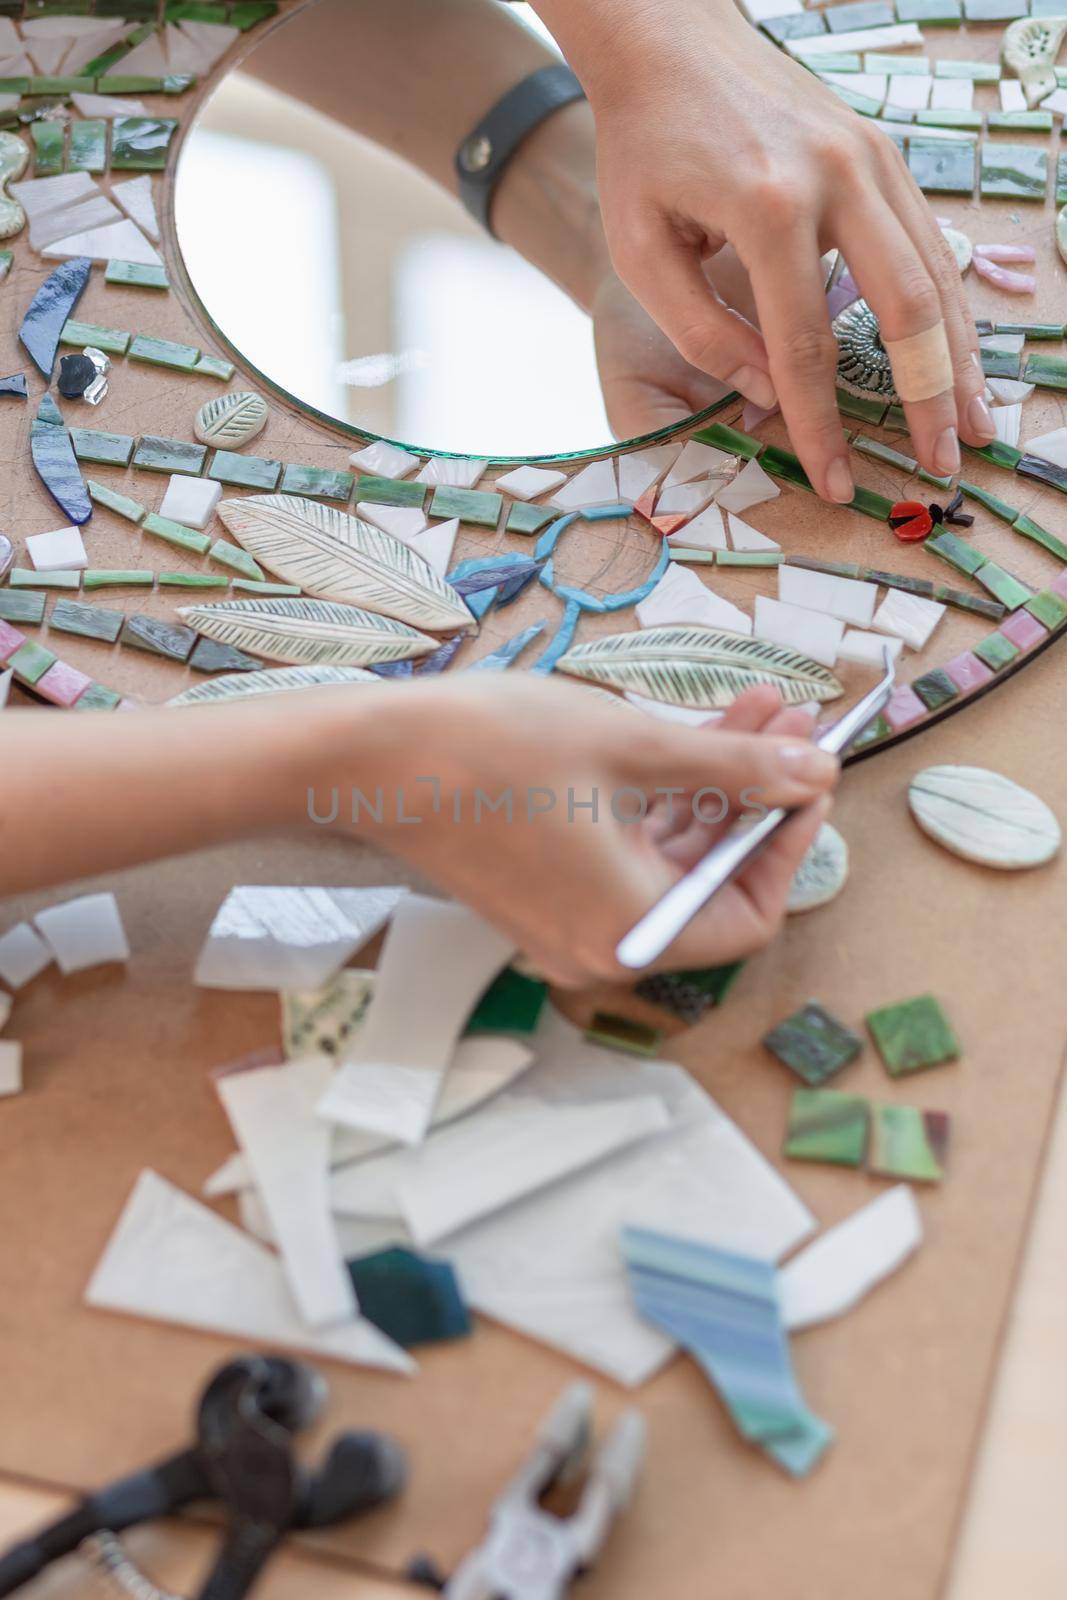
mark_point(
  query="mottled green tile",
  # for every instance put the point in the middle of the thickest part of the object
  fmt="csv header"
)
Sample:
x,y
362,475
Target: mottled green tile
x,y
1048,372
999,508
26,578
31,661
317,482
781,463
935,689
88,146
998,452
813,1044
623,1033
996,651
956,551
827,1126
97,698
214,367
942,166
884,452
390,492
175,533
1013,171
163,353
864,104
140,144
477,506
238,560
1049,541
795,25
193,580
117,578
1033,330
156,454
908,1143
1061,178
48,141
89,622
106,449
121,504
863,407
1028,121
42,86
1008,590
22,605
871,504
244,472
170,639
1048,608
527,520
977,604
912,1035
112,341
135,275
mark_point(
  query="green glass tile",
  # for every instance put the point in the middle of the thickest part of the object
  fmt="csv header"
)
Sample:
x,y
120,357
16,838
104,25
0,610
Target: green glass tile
x,y
1030,121
175,533
832,569
827,1126
975,603
784,464
238,560
813,1044
140,144
1048,608
121,504
88,146
112,341
22,605
102,64
862,407
998,453
948,117
244,472
720,437
1033,530
678,552
883,452
48,141
411,1300
897,114
192,580
97,698
978,11
873,733
388,492
163,353
196,11
895,420
136,276
923,587
935,689
912,1035
871,504
14,85
170,639
7,261
106,449
897,66
116,578
513,1003
977,71
60,86
156,454
999,508
1008,590
956,551
128,83
245,14
318,482
1061,179
89,622
250,586
748,558
996,651
477,506
1048,372
1013,171
527,520
24,578
942,166
931,13
908,1143
1033,330
622,1033
31,662
214,367
128,10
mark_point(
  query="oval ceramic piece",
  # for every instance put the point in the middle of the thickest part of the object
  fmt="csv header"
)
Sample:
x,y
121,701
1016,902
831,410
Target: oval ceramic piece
x,y
960,245
822,874
231,420
1029,48
13,158
984,817
862,363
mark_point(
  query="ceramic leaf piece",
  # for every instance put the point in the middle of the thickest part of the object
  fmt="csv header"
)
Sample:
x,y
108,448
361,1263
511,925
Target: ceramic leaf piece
x,y
985,817
680,596
751,487
1029,49
308,632
171,1259
287,1147
437,960
595,485
822,874
231,420
137,200
795,628
841,1267
275,680
289,938
49,310
742,537
698,667
121,241
328,553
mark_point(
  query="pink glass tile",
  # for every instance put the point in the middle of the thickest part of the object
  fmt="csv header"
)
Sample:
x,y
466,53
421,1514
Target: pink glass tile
x,y
10,640
1023,629
1060,586
967,672
62,684
904,708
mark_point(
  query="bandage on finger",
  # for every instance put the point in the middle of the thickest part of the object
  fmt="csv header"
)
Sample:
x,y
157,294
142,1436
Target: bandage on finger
x,y
922,365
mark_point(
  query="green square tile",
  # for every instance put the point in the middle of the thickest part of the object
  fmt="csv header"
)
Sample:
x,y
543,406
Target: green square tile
x,y
121,504
88,145
177,534
112,341
912,1035
908,1143
513,1003
214,367
1048,608
813,1044
317,482
996,651
527,520
935,689
244,472
89,622
390,492
1048,372
22,605
478,506
31,661
136,275
238,560
156,454
942,166
827,1126
97,698
163,353
140,144
106,449
1008,590
1013,171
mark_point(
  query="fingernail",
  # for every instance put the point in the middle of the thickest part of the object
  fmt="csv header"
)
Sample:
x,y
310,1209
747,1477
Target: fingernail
x,y
806,763
839,485
980,418
755,386
947,452
976,358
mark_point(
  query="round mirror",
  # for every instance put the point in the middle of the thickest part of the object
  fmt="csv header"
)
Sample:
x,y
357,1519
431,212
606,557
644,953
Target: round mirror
x,y
320,227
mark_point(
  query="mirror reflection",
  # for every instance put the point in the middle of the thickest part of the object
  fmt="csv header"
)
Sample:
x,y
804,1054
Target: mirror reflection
x,y
319,221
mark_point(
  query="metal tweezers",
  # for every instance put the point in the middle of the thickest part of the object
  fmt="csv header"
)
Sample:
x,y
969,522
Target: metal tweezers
x,y
660,926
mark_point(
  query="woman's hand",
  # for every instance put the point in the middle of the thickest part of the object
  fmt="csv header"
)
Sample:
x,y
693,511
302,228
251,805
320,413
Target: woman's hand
x,y
503,777
707,134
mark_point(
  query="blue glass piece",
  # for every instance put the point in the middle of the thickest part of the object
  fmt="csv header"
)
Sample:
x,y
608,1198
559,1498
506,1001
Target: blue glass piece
x,y
548,574
510,591
619,602
442,656
607,513
483,572
478,604
562,641
509,652
56,464
547,542
50,309
588,602
393,669
15,385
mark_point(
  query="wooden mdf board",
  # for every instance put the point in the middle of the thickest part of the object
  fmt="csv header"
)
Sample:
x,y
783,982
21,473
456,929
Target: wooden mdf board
x,y
117,1078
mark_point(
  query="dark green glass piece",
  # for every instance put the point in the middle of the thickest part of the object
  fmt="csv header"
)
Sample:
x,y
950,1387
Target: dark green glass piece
x,y
140,144
317,482
527,520
1033,330
863,407
827,1126
999,364
31,661
923,587
871,504
912,1035
245,14
935,689
956,551
211,656
106,449
90,622
411,1300
1008,590
477,506
22,605
389,492
736,443
121,504
999,508
48,146
244,472
623,1033
1048,372
88,146
1013,171
97,698
164,353
833,569
813,1044
177,534
1043,472
513,1003
1048,541
170,639
112,341
943,166
688,995
998,452
996,651
977,604
197,11
156,454
136,275
908,1143
895,420
784,464
873,733
1048,608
